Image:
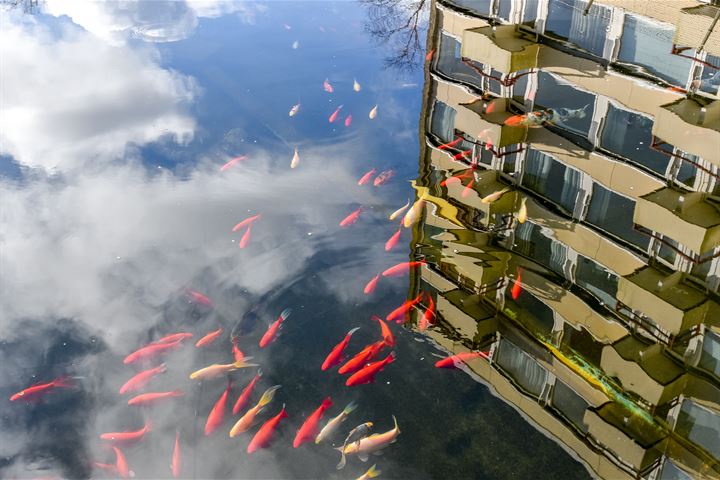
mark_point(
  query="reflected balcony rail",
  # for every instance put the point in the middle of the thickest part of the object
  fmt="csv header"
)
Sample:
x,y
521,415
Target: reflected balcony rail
x,y
693,125
696,30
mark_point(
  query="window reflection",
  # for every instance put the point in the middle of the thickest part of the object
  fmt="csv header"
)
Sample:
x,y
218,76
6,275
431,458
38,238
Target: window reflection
x,y
480,7
449,62
710,356
672,472
598,280
531,243
526,372
614,214
710,78
700,425
570,405
566,20
552,179
442,122
573,106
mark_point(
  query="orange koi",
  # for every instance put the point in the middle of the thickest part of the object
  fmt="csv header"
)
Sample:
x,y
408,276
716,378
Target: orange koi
x,y
456,360
451,180
264,435
246,421
238,355
209,338
352,218
428,317
273,329
386,333
110,469
450,144
150,351
121,463
335,114
517,288
348,120
217,414
245,222
336,354
402,268
126,437
174,337
367,374
198,297
462,154
365,355
371,285
176,464
366,178
154,397
399,313
41,389
231,163
141,379
392,241
468,189
327,87
245,238
309,429
492,105
429,55
245,395
384,177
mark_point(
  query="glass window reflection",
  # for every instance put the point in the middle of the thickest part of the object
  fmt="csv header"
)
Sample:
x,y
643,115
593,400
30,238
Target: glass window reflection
x,y
710,356
551,179
565,20
449,62
481,7
521,367
573,107
700,425
571,405
710,78
442,122
598,280
614,214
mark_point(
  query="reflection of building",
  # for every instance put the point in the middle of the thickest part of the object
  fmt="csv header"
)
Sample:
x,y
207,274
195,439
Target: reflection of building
x,y
601,309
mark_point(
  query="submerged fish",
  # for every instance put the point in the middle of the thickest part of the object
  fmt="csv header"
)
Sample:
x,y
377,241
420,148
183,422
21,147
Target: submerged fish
x,y
154,397
217,414
399,211
366,177
246,222
198,297
371,473
264,435
126,437
367,374
327,87
429,55
246,237
247,420
413,215
41,389
231,163
398,315
363,357
428,317
176,465
450,144
352,218
218,369
522,212
385,330
335,114
121,463
393,240
245,395
402,268
294,110
332,425
295,160
517,287
141,379
348,120
356,85
274,328
174,337
373,112
209,338
371,285
495,195
454,361
150,351
309,429
373,443
384,177
336,354
358,432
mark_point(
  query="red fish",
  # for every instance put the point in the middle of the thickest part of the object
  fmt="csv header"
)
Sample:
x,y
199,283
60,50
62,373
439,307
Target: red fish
x,y
309,429
198,297
264,435
176,464
517,288
352,218
110,469
455,360
371,285
366,354
429,55
154,397
336,354
366,178
238,355
401,268
399,313
174,337
428,317
492,105
121,463
245,222
217,414
126,437
348,120
468,189
450,144
245,238
386,333
233,162
392,241
384,177
209,338
41,388
273,329
150,351
462,154
141,379
335,114
327,87
367,374
245,395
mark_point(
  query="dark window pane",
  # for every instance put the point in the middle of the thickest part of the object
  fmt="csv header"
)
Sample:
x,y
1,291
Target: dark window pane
x,y
700,426
481,7
552,179
596,279
710,356
570,404
521,367
573,108
566,20
449,62
614,213
442,123
710,78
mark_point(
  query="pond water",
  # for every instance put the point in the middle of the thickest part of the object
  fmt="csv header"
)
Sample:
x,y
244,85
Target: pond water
x,y
138,136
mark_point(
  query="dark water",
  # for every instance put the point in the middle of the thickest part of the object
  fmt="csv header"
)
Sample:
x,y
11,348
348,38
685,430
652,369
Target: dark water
x,y
117,121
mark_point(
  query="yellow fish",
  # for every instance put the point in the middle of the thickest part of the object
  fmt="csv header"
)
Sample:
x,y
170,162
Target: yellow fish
x,y
522,213
295,159
246,421
495,196
217,369
356,85
372,443
413,215
371,473
373,112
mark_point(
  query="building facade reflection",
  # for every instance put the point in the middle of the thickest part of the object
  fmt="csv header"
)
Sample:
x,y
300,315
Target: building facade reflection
x,y
593,281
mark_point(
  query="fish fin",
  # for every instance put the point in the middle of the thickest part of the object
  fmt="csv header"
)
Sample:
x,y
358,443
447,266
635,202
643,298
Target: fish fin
x,y
373,472
64,381
268,395
363,457
378,452
350,408
244,363
353,330
286,313
396,425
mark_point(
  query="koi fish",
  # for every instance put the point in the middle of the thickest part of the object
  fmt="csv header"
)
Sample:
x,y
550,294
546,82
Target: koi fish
x,y
327,87
517,287
371,285
373,443
41,389
456,360
495,195
367,374
560,115
352,218
429,55
450,180
522,213
264,435
141,379
217,369
309,429
295,45
287,27
245,238
246,222
126,437
332,425
335,114
360,431
468,189
121,463
462,154
245,395
413,215
110,469
336,354
209,338
399,313
218,412
356,85
295,160
174,337
392,241
531,119
402,268
273,329
373,112
364,356
348,120
428,317
493,104
176,465
450,144
198,297
238,355
246,421
384,177
399,211
150,351
366,178
154,397
294,110
386,333
371,473
231,163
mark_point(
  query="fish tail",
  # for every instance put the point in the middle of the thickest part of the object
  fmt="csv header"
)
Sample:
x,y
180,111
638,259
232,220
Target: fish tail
x,y
373,472
268,396
283,413
327,403
244,363
285,313
353,330
178,393
350,408
396,425
64,381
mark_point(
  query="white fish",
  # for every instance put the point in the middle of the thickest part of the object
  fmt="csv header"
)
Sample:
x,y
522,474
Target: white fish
x,y
294,110
295,159
373,112
399,211
356,85
334,423
413,215
295,45
522,213
373,443
495,195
